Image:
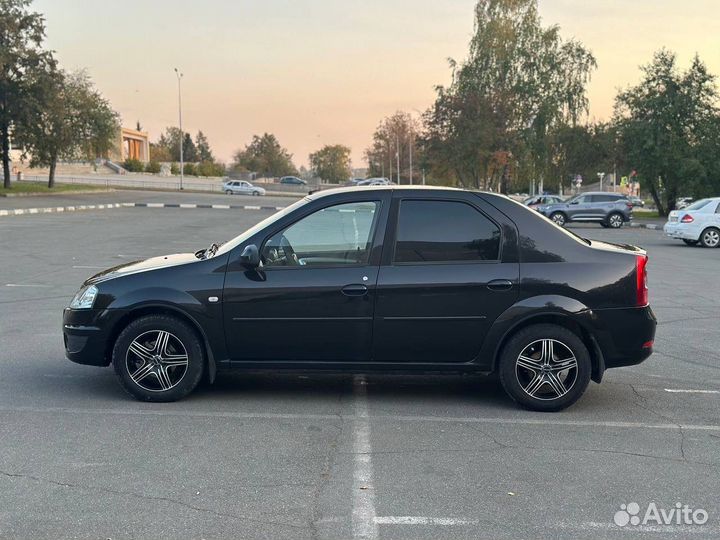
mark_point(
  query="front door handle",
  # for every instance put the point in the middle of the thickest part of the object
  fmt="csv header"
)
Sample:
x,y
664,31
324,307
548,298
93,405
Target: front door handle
x,y
354,290
500,285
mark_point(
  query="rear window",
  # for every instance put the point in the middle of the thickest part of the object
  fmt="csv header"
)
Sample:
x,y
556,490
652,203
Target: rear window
x,y
444,231
698,205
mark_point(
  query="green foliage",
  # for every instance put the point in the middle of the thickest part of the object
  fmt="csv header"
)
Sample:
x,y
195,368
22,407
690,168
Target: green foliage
x,y
152,167
332,163
399,130
174,169
190,169
70,120
160,153
519,83
670,130
204,153
189,150
210,168
133,165
23,64
265,156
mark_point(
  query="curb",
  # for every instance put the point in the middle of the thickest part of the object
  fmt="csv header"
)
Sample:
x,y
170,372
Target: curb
x,y
57,193
59,209
653,226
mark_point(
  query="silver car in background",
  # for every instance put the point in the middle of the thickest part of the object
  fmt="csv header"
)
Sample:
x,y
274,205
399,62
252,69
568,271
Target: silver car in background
x,y
242,187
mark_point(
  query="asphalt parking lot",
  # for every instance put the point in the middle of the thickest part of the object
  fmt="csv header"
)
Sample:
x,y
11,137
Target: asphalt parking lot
x,y
338,456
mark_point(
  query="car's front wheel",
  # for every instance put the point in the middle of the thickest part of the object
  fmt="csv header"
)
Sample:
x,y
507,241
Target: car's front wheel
x,y
615,220
256,193
559,218
158,358
228,192
710,237
545,367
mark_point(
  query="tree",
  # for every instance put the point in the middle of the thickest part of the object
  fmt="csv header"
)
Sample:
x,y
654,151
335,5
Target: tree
x,y
669,128
21,55
394,135
519,82
190,154
71,120
204,153
264,155
332,163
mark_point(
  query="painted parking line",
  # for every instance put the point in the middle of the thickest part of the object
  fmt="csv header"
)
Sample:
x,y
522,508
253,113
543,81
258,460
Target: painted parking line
x,y
423,520
363,512
690,391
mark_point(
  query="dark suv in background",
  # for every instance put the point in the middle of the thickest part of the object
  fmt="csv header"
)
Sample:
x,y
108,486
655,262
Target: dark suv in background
x,y
608,209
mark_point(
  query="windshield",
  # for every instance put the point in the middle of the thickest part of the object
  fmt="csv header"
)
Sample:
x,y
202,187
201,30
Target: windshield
x,y
227,246
698,204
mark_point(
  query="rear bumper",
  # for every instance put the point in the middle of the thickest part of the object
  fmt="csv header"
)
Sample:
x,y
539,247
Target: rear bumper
x,y
681,231
625,336
86,334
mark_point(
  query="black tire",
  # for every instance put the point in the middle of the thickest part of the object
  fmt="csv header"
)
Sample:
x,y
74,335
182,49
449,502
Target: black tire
x,y
256,193
615,220
558,218
690,242
578,377
180,381
710,237
228,192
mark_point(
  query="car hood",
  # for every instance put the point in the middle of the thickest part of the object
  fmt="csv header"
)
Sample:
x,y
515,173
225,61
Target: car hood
x,y
146,265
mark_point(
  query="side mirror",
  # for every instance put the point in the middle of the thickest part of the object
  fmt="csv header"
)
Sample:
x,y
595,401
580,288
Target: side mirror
x,y
575,202
250,256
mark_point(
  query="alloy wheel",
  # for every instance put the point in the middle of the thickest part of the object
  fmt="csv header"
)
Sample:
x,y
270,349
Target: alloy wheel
x,y
711,238
156,361
546,369
615,221
559,219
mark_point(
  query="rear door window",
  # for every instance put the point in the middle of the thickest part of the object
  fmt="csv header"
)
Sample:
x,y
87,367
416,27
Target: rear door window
x,y
444,232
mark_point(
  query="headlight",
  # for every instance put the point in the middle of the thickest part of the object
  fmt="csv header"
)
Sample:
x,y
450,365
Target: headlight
x,y
85,298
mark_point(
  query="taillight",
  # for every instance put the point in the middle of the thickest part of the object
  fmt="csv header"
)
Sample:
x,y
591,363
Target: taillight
x,y
687,218
629,204
641,289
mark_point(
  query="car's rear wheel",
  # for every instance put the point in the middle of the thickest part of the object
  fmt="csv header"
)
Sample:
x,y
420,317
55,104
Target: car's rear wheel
x,y
690,242
710,237
615,220
228,192
158,358
559,218
545,367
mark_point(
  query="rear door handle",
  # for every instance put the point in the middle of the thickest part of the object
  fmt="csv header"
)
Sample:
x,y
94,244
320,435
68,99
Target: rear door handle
x,y
500,285
354,290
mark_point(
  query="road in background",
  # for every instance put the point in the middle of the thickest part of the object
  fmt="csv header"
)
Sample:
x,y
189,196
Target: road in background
x,y
338,456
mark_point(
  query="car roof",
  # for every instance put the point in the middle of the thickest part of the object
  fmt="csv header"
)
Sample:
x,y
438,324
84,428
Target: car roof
x,y
405,189
603,193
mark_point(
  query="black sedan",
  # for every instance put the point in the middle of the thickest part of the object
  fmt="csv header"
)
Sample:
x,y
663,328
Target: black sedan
x,y
385,278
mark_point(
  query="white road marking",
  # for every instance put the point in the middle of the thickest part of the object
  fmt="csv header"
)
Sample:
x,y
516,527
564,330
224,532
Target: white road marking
x,y
423,520
89,267
363,514
682,391
25,285
377,418
155,205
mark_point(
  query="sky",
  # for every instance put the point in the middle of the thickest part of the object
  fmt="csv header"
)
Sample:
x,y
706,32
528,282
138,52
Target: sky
x,y
316,72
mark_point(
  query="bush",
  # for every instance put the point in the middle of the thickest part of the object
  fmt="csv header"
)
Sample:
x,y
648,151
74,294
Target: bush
x,y
133,165
152,167
210,168
174,169
189,169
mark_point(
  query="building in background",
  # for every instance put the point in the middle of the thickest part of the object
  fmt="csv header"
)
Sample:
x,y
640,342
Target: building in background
x,y
134,144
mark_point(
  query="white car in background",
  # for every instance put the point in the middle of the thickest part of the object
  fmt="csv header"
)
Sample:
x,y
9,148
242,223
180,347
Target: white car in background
x,y
241,187
697,223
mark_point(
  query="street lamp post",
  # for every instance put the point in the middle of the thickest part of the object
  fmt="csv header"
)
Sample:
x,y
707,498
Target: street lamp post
x,y
411,149
397,155
182,135
601,175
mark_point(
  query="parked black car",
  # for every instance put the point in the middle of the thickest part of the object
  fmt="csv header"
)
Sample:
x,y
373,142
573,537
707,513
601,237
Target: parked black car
x,y
608,209
293,181
384,278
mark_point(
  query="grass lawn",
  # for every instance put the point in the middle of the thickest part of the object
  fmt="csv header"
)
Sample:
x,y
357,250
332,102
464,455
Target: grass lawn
x,y
41,188
639,214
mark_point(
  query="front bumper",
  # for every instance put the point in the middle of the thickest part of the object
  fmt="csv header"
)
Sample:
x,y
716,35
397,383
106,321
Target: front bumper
x,y
86,334
626,335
